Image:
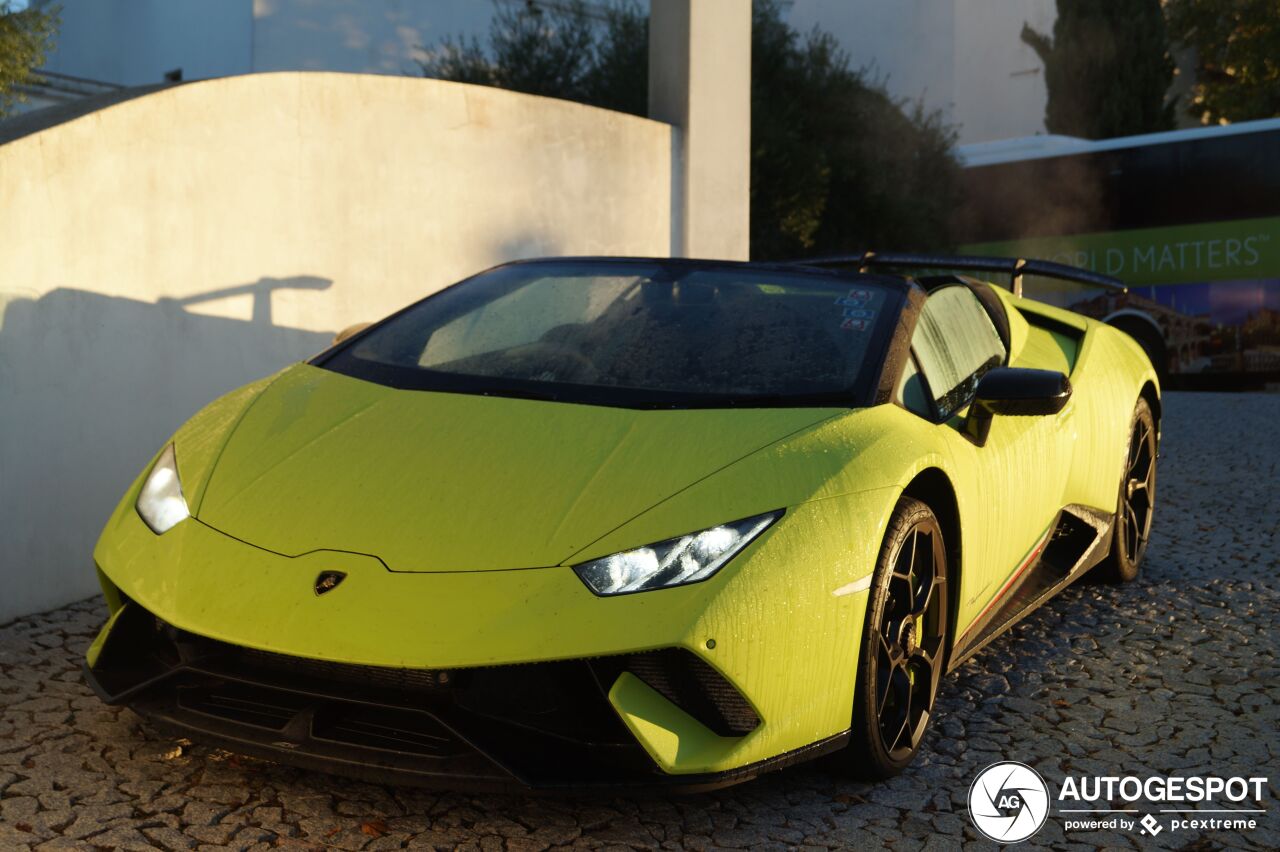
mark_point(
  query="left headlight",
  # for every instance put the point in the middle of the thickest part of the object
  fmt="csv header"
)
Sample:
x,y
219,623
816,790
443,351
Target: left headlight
x,y
160,502
674,562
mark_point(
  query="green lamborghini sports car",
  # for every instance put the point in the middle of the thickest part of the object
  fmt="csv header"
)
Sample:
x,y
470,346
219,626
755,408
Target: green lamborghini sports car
x,y
584,522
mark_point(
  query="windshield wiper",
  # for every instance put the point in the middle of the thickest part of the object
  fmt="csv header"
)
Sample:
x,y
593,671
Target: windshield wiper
x,y
830,399
519,393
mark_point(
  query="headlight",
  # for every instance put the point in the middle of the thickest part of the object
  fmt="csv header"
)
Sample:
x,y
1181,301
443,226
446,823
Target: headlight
x,y
674,562
160,502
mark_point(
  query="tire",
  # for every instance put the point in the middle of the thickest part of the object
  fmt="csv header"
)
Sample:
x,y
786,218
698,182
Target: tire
x,y
1135,502
904,646
1151,341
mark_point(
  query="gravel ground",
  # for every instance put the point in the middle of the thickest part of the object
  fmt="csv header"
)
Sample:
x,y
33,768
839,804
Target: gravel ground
x,y
1174,674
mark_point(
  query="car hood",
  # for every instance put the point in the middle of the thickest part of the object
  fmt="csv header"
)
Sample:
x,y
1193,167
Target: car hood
x,y
453,482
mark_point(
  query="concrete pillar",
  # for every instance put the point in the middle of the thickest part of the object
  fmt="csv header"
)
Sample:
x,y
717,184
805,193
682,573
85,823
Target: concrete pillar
x,y
700,81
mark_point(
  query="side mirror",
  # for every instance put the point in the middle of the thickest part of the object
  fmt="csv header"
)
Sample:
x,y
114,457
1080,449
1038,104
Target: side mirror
x,y
1017,392
349,332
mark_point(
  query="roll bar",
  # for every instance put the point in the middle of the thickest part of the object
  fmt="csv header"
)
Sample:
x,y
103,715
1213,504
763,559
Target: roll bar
x,y
1014,267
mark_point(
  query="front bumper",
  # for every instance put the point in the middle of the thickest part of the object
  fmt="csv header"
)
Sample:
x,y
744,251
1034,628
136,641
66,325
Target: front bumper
x,y
535,726
772,624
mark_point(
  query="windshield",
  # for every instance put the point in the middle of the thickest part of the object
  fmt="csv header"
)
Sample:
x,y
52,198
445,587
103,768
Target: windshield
x,y
636,333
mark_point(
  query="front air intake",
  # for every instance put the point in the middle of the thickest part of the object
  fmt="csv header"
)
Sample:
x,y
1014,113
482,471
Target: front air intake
x,y
397,679
693,685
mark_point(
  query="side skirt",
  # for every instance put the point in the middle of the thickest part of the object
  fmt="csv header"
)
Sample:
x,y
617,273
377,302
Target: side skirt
x,y
1077,540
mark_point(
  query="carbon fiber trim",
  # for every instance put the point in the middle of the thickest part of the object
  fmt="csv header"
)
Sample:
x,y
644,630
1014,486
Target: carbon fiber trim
x,y
690,683
535,725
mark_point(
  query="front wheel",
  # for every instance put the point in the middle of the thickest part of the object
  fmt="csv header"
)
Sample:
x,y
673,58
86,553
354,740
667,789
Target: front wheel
x,y
1136,501
903,645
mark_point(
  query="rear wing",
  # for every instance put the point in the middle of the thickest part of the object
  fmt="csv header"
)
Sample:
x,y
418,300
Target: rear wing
x,y
1014,267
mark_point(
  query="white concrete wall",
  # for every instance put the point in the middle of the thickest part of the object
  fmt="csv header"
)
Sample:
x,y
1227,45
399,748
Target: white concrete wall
x,y
700,81
169,248
963,57
1000,91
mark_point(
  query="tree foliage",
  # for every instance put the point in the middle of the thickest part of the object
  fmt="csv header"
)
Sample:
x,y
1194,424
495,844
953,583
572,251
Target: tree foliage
x,y
1237,56
1106,67
837,165
560,50
26,36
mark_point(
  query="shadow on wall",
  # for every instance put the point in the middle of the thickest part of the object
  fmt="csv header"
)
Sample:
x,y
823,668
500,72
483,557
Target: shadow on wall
x,y
90,386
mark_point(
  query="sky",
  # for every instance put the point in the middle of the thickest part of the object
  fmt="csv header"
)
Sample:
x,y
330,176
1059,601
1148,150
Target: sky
x,y
962,57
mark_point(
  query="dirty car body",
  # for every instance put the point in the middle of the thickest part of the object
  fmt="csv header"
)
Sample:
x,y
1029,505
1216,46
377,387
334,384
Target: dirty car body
x,y
602,522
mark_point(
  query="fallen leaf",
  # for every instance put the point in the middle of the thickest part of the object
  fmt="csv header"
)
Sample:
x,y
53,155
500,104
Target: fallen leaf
x,y
374,828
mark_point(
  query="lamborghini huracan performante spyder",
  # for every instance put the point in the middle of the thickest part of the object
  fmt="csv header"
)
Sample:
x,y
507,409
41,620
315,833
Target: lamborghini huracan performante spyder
x,y
585,522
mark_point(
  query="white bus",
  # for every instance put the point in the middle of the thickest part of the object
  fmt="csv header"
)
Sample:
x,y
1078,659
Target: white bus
x,y
1189,219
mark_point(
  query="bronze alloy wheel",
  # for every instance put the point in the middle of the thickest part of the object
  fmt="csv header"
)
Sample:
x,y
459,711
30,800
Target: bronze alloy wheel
x,y
1138,497
1136,501
904,647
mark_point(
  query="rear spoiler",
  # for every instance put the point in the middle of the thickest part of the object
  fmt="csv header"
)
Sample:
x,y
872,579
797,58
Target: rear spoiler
x,y
1014,267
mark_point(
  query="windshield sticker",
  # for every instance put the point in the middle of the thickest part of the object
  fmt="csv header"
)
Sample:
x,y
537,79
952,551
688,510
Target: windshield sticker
x,y
856,299
857,314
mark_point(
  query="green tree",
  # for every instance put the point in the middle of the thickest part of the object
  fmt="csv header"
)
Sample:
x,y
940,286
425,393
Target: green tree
x,y
837,165
562,50
1237,56
1107,68
541,52
26,36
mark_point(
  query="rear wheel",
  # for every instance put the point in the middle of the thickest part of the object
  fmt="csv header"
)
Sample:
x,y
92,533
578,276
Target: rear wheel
x,y
1136,502
903,645
1151,340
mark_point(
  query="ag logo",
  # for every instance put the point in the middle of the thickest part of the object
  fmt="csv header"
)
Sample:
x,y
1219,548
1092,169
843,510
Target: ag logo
x,y
1008,802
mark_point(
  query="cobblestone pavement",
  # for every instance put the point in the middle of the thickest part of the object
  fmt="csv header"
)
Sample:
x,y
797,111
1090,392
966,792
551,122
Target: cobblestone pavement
x,y
1175,674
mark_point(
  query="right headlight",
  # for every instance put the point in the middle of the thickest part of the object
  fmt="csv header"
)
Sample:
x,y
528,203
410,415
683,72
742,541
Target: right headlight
x,y
674,562
160,502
